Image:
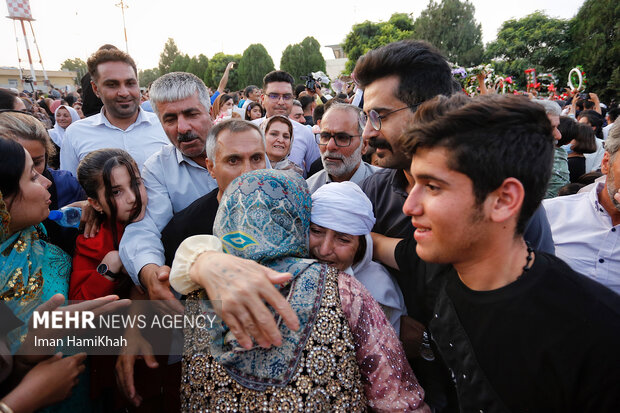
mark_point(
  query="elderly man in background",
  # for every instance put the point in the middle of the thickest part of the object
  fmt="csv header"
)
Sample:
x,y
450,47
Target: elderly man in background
x,y
586,226
341,146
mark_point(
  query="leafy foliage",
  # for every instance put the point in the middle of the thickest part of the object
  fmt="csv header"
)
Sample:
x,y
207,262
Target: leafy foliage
x,y
450,26
168,56
147,76
77,65
368,35
596,31
253,66
536,41
303,58
218,64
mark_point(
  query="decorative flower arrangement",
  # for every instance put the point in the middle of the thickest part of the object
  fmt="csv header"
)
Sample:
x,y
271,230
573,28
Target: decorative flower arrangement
x,y
548,81
577,76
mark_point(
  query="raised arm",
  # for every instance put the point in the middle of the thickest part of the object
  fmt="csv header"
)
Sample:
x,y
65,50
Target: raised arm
x,y
224,79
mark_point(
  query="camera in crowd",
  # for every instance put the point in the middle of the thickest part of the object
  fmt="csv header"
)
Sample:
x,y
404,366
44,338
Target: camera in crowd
x,y
310,81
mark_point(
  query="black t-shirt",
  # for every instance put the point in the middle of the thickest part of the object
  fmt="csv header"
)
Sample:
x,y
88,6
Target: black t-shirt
x,y
196,219
576,167
550,341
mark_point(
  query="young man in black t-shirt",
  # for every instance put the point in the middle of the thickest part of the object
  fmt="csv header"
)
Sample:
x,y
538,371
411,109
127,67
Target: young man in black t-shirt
x,y
518,329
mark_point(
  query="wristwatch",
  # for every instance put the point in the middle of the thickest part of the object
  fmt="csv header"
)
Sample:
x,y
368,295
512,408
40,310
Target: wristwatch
x,y
104,270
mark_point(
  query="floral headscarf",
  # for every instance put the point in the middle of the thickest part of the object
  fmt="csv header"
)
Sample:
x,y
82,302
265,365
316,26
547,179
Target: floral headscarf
x,y
264,216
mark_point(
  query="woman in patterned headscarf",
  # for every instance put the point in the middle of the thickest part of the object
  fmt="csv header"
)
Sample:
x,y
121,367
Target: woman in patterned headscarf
x,y
31,270
344,357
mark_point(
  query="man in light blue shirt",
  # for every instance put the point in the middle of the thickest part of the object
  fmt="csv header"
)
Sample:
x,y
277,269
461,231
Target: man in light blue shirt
x,y
121,123
174,177
586,226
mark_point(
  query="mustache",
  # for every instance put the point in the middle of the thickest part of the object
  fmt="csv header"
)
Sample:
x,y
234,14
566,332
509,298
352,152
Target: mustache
x,y
187,137
379,143
328,154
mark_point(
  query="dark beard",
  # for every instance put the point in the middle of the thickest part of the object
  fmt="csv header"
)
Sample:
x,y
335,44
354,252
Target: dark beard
x,y
379,143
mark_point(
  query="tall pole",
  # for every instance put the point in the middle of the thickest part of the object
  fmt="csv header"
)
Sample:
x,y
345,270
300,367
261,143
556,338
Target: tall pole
x,y
123,7
34,76
47,81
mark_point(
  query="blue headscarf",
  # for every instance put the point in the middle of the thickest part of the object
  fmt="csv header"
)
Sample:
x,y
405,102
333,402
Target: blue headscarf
x,y
264,216
31,271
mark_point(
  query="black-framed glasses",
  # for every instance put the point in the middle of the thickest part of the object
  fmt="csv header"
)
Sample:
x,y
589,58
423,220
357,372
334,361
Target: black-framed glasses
x,y
375,118
341,139
276,96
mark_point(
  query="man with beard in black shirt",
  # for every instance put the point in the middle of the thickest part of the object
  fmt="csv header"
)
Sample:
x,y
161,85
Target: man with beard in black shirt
x,y
518,329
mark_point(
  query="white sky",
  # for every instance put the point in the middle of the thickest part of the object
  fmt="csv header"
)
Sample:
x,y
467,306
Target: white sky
x,y
76,28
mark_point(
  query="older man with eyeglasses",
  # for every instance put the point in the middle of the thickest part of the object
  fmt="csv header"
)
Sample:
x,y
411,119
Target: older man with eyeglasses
x,y
277,99
341,146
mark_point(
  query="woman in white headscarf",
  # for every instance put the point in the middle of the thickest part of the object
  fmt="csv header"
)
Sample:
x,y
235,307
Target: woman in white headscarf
x,y
65,115
342,218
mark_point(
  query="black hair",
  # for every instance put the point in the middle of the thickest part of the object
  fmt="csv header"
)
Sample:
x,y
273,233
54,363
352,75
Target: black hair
x,y
589,177
595,120
318,113
490,139
248,90
570,189
12,164
306,101
361,249
299,89
7,99
96,169
613,113
423,72
251,106
568,130
278,76
584,139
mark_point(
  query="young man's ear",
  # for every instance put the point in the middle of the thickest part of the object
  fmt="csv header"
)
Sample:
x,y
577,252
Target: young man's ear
x,y
95,204
507,200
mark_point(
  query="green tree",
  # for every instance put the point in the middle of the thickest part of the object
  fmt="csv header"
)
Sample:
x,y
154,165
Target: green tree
x,y
368,35
180,63
537,41
450,26
218,64
202,71
254,65
167,57
303,58
147,76
192,67
77,65
596,31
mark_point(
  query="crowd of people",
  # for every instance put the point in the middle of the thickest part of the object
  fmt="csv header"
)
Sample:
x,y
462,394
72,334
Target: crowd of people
x,y
399,247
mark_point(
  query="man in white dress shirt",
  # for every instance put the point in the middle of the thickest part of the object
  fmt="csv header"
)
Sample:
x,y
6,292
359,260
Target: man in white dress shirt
x,y
277,99
341,146
586,226
121,123
174,177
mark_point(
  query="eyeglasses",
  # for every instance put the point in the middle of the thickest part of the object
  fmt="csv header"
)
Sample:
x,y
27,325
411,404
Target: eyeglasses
x,y
341,139
375,118
276,96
